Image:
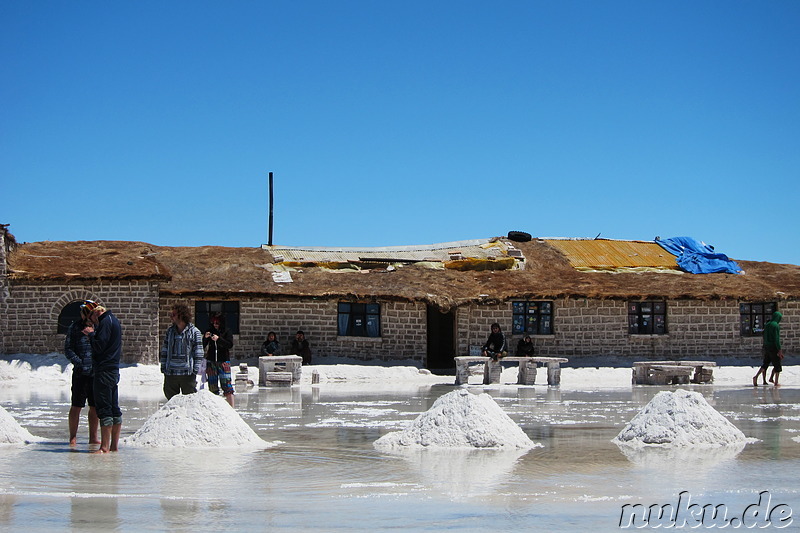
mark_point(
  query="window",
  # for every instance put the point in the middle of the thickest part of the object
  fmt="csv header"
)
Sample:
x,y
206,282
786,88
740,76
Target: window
x,y
753,317
204,308
647,318
359,320
68,315
534,318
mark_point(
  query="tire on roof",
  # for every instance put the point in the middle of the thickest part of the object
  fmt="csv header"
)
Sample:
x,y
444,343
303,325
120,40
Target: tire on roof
x,y
519,236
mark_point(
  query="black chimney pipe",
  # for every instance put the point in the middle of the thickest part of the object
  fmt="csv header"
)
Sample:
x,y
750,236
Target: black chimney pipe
x,y
269,242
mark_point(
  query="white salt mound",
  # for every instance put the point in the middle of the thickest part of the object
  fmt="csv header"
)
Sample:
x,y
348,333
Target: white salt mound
x,y
200,420
11,432
460,419
680,418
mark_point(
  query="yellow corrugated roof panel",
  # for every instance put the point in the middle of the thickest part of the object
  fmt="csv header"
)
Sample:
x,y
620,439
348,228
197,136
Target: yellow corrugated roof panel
x,y
603,254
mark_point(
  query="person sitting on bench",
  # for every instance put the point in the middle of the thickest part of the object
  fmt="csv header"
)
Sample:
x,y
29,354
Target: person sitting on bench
x,y
495,346
525,347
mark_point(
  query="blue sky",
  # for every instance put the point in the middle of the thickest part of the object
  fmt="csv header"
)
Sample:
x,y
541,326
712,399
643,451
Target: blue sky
x,y
399,123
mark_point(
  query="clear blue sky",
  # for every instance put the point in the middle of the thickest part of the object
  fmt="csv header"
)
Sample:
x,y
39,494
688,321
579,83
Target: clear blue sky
x,y
398,123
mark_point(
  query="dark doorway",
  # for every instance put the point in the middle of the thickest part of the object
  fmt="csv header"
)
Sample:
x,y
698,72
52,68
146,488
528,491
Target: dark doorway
x,y
441,341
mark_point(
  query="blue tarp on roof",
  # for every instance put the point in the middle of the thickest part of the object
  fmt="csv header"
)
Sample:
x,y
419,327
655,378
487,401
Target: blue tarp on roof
x,y
697,257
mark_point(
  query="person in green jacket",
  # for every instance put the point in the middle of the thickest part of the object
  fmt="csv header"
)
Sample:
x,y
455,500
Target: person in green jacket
x,y
773,353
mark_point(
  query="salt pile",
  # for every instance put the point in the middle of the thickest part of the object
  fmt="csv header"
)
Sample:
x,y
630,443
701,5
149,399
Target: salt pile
x,y
460,419
200,420
12,433
680,418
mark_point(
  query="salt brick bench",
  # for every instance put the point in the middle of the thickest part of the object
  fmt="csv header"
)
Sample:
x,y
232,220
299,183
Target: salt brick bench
x,y
269,364
672,372
493,369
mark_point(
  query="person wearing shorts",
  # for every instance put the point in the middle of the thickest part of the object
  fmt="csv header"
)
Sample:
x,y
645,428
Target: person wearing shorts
x,y
217,343
78,351
773,353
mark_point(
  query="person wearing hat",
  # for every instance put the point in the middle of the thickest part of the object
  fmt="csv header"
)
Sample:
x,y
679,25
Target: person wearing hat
x,y
301,347
218,341
78,351
105,335
181,353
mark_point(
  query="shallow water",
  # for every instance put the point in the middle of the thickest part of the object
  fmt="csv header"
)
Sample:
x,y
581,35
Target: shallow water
x,y
326,475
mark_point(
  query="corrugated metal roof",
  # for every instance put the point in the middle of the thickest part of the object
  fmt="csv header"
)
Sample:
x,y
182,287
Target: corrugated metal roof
x,y
479,249
604,254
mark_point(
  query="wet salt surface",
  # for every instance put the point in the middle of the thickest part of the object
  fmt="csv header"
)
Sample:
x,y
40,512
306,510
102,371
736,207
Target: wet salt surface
x,y
327,476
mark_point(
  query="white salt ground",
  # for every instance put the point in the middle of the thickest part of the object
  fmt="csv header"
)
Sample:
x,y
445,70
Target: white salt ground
x,y
679,418
460,419
26,371
12,433
350,373
201,420
50,374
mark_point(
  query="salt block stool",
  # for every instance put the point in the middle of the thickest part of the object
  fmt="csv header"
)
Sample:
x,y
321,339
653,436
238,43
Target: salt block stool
x,y
278,379
462,367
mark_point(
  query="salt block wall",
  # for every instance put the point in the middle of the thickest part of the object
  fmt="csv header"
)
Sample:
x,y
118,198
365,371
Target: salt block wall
x,y
585,327
4,291
31,320
403,325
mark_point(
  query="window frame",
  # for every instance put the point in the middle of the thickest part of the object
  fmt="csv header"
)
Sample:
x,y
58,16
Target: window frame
x,y
641,310
358,319
530,315
230,309
751,311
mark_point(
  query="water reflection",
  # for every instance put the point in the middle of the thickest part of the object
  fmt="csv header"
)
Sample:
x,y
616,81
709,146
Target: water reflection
x,y
693,460
96,488
461,473
7,504
326,474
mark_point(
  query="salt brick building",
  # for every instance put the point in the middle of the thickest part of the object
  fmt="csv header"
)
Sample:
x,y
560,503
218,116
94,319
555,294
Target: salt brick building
x,y
576,298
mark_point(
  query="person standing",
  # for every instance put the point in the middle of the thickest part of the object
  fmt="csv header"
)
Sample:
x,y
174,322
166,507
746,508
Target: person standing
x,y
495,346
78,350
217,343
301,347
773,353
181,353
105,335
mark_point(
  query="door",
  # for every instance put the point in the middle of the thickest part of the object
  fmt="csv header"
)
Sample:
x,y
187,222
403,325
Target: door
x,y
441,341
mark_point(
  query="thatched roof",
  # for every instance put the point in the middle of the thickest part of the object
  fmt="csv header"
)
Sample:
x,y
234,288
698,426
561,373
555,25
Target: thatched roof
x,y
9,241
58,261
546,273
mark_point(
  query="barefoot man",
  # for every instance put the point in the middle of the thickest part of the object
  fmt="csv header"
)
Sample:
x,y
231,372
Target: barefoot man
x,y
772,351
105,334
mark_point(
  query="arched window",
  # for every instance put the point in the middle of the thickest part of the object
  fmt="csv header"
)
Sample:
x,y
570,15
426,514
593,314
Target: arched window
x,y
70,313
